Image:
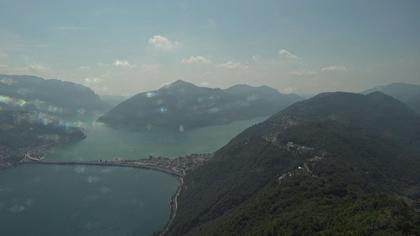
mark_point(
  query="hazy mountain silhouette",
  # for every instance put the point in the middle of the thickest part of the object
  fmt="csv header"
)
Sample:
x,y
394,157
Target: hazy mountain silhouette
x,y
407,93
56,97
183,104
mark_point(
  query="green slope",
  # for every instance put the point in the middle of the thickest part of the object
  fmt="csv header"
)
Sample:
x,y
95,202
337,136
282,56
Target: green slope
x,y
344,148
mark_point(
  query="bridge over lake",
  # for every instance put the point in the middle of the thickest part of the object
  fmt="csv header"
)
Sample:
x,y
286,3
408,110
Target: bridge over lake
x,y
177,167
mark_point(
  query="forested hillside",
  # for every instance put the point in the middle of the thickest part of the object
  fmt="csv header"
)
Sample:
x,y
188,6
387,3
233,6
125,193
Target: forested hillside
x,y
338,162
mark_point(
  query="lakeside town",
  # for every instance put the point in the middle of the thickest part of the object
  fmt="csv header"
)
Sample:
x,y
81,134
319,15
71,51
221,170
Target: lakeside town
x,y
179,166
11,158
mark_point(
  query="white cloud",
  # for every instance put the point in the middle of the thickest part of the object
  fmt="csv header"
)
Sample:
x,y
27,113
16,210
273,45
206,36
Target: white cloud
x,y
333,68
92,80
233,65
163,43
195,60
84,67
38,67
256,58
121,63
288,55
288,90
303,72
104,89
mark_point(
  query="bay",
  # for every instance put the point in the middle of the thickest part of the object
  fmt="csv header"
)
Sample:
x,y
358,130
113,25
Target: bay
x,y
80,200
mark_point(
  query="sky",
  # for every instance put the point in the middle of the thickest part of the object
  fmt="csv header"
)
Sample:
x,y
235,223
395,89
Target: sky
x,y
297,46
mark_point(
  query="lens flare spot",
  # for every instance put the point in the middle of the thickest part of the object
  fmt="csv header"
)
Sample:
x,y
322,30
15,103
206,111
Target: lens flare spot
x,y
163,110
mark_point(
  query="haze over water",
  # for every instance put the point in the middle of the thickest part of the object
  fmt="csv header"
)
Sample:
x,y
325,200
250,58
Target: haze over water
x,y
80,200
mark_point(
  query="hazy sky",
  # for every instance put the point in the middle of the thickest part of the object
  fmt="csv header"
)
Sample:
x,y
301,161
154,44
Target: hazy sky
x,y
124,47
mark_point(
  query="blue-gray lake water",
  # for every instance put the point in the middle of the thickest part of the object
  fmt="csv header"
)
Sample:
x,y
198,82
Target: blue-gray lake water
x,y
79,200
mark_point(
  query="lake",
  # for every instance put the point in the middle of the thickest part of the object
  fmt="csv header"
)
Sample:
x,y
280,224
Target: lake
x,y
80,200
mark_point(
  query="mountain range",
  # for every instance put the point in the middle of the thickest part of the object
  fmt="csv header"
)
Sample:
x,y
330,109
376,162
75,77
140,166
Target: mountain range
x,y
337,163
183,105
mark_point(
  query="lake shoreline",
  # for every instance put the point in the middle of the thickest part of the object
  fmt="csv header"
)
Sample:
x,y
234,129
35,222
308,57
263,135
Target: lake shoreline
x,y
108,144
174,207
177,167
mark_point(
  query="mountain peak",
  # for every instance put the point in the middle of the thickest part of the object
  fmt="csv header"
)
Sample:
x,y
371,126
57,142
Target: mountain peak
x,y
407,93
181,84
336,94
241,86
250,87
375,111
379,94
245,89
346,101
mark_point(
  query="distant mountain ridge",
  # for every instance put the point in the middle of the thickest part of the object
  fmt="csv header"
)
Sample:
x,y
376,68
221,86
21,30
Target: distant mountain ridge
x,y
407,93
33,113
55,97
24,132
183,105
338,163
